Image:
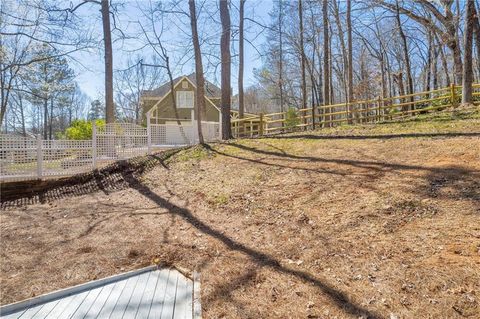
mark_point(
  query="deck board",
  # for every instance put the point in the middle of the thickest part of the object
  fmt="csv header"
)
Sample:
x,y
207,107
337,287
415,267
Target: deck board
x,y
153,293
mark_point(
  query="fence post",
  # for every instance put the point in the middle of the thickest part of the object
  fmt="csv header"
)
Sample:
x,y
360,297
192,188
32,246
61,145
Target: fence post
x,y
220,125
94,144
149,135
452,95
379,109
194,128
39,157
260,128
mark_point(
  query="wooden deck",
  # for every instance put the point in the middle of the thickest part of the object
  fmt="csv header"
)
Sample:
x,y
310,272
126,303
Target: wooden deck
x,y
145,293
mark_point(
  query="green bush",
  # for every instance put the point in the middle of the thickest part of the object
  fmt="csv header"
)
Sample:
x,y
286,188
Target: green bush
x,y
291,118
82,129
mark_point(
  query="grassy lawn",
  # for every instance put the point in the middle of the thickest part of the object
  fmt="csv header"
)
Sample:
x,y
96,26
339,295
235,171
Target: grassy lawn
x,y
378,221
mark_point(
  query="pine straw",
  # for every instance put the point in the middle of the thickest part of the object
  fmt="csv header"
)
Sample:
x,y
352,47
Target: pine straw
x,y
317,227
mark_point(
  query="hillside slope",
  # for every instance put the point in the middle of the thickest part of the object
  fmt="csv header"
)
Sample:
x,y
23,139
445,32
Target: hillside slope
x,y
379,221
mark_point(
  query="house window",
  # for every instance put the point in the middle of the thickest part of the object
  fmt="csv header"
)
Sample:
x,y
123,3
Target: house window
x,y
184,85
185,99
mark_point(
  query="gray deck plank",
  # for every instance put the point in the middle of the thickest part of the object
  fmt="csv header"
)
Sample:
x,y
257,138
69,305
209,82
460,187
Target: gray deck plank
x,y
155,294
58,309
182,301
124,298
46,309
110,302
189,312
14,315
137,294
170,292
31,311
100,301
148,294
158,298
87,303
74,304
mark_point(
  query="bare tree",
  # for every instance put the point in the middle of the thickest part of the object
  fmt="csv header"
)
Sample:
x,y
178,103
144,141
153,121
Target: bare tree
x,y
241,104
302,60
326,55
107,42
406,54
155,17
200,91
349,65
280,49
226,69
470,15
445,25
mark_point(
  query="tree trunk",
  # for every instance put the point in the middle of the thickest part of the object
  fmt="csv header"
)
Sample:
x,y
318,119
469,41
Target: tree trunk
x,y
200,92
107,40
226,69
50,128
406,56
470,15
302,62
350,97
45,118
444,62
434,66
343,48
280,59
174,98
22,116
476,28
428,67
326,58
241,105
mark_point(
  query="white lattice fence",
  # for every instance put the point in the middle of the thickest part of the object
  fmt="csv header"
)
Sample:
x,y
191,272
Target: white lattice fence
x,y
23,158
18,157
66,157
170,135
211,131
120,141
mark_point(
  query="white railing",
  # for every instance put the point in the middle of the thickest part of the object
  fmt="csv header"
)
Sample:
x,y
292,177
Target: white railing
x,y
25,158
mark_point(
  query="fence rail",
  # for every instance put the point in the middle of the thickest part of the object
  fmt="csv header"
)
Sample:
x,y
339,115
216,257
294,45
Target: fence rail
x,y
357,112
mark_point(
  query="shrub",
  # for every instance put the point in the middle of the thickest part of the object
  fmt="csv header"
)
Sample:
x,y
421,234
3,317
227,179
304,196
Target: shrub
x,y
82,129
291,118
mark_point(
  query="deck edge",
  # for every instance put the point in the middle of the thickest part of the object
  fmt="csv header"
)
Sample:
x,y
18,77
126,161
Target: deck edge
x,y
197,306
50,296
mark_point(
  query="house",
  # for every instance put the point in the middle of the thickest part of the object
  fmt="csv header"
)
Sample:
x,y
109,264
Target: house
x,y
158,102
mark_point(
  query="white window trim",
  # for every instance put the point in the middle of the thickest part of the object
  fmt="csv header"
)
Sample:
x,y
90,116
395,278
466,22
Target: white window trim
x,y
184,101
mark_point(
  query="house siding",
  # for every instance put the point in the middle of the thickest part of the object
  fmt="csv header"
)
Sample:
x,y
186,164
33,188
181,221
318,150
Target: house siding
x,y
165,108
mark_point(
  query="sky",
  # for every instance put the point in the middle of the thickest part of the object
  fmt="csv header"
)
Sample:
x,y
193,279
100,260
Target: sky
x,y
89,66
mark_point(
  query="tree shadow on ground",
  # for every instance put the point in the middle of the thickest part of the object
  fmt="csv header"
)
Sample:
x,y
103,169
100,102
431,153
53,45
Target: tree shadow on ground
x,y
465,182
106,180
372,137
259,258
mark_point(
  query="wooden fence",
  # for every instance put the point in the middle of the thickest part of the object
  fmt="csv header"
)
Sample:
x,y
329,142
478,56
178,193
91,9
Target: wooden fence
x,y
357,112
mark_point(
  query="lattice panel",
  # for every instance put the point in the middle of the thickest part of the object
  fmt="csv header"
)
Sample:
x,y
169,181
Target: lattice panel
x,y
172,134
211,131
121,141
66,157
18,157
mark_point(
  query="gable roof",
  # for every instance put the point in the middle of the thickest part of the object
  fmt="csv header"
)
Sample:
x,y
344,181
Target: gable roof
x,y
211,90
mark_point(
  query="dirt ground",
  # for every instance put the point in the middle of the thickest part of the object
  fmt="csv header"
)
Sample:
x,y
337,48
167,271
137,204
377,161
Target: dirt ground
x,y
343,223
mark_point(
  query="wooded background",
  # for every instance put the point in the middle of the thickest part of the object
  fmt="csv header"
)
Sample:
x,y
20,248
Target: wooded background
x,y
312,53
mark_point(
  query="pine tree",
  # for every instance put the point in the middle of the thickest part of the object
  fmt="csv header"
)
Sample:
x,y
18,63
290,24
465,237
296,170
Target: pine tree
x,y
48,80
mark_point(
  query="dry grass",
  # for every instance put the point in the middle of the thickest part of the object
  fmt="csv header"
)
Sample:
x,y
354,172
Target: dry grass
x,y
347,223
